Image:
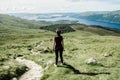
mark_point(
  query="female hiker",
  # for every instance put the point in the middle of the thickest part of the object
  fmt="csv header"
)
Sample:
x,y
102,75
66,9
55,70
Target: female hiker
x,y
58,46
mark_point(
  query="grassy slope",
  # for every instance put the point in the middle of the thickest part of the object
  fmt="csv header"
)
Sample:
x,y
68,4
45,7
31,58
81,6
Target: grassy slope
x,y
79,46
17,22
16,36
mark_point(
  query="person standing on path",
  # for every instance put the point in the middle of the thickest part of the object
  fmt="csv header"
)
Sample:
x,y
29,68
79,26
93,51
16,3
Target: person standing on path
x,y
58,46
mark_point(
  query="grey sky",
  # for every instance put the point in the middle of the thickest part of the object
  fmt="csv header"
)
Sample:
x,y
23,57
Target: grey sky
x,y
48,6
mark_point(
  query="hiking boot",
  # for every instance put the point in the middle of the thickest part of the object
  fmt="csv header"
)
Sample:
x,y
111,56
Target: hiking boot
x,y
55,65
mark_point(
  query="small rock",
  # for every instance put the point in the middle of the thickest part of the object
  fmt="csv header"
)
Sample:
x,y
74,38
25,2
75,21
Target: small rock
x,y
107,54
42,60
27,69
6,67
44,51
50,62
14,78
92,61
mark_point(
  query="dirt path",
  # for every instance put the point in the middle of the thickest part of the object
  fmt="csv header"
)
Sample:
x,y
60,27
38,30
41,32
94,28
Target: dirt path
x,y
35,71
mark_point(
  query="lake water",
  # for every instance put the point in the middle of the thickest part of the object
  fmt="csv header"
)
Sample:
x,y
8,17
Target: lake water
x,y
104,24
43,17
85,21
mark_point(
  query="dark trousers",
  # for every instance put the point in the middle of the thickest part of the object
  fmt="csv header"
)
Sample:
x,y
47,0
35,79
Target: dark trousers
x,y
56,55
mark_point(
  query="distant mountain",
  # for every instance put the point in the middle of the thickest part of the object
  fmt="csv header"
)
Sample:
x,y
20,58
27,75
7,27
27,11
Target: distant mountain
x,y
13,24
105,16
48,18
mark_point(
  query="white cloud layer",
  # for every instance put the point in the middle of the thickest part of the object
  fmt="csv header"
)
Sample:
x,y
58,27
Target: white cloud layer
x,y
48,6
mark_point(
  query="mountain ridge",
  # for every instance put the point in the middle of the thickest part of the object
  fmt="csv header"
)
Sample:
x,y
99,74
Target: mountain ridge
x,y
104,16
108,16
10,23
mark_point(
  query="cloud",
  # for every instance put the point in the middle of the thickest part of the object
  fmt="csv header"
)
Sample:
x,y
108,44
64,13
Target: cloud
x,y
45,6
107,1
74,0
78,0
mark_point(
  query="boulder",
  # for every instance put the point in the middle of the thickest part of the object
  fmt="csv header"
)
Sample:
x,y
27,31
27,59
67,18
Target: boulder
x,y
92,61
107,54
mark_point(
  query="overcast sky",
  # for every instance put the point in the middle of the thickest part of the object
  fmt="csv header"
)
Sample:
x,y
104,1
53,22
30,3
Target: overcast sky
x,y
51,6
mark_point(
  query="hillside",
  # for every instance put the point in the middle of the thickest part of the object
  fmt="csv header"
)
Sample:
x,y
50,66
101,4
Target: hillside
x,y
99,30
6,20
105,16
19,40
16,35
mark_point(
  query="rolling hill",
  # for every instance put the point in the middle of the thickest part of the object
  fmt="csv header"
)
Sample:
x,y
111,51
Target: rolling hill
x,y
6,20
18,37
105,16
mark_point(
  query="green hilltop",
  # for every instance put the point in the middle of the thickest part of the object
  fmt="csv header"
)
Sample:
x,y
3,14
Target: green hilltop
x,y
6,20
104,16
19,36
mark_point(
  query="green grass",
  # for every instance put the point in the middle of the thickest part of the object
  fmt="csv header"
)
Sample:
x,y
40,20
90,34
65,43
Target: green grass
x,y
10,68
16,36
80,45
14,44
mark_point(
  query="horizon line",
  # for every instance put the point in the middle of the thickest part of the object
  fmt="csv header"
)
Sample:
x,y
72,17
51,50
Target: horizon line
x,y
57,12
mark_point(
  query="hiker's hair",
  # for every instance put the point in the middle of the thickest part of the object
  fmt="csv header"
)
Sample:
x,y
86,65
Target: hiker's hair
x,y
58,31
